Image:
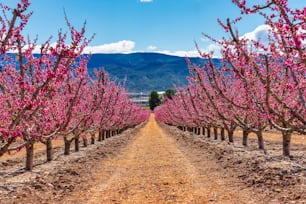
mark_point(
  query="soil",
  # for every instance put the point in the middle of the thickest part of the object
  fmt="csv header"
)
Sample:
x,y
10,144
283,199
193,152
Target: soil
x,y
155,163
274,178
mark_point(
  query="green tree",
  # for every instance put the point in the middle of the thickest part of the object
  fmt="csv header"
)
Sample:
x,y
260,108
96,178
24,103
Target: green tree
x,y
169,93
154,100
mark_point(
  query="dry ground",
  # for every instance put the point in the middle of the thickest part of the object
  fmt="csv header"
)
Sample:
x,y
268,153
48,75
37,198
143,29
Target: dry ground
x,y
159,164
276,178
39,147
153,169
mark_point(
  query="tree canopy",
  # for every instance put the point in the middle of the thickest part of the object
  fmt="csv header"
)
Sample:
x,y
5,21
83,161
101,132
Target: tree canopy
x,y
154,100
169,93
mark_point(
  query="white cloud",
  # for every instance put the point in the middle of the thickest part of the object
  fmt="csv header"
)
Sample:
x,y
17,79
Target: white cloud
x,y
127,46
151,47
123,46
145,1
260,34
214,48
36,49
180,53
302,32
193,53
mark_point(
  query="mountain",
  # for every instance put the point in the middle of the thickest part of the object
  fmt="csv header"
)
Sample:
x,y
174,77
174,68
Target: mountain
x,y
144,72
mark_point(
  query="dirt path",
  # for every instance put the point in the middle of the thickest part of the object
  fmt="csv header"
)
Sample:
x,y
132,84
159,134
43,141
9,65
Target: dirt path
x,y
152,169
156,163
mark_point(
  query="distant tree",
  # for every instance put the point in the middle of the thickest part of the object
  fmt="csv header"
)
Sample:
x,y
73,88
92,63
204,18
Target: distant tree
x,y
169,93
154,100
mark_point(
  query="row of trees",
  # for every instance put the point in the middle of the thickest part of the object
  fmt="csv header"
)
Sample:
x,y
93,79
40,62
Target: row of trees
x,y
258,85
49,96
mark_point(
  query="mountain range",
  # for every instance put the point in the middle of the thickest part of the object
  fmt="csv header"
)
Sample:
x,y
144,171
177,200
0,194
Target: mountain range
x,y
143,72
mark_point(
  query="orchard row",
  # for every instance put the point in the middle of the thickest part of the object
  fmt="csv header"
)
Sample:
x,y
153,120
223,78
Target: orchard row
x,y
259,84
51,95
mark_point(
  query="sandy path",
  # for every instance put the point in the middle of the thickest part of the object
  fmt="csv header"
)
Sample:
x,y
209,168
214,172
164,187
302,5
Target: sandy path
x,y
152,169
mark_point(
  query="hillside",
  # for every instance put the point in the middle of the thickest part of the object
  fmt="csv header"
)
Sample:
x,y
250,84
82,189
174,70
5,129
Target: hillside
x,y
143,71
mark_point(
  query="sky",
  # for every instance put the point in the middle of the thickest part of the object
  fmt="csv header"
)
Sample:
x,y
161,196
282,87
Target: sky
x,y
125,26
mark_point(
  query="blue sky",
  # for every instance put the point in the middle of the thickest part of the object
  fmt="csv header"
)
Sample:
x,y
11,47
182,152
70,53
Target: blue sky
x,y
167,26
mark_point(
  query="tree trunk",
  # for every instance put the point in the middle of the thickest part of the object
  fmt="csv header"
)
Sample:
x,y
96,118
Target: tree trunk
x,y
5,147
286,143
216,133
203,130
222,134
85,142
108,134
208,132
92,138
230,135
76,144
49,149
245,134
29,157
104,133
67,144
100,135
261,144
